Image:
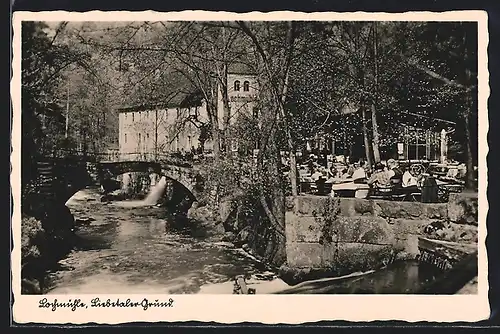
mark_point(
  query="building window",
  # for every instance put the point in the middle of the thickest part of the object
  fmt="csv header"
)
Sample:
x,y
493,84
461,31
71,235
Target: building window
x,y
246,86
125,116
255,112
133,117
237,86
147,136
193,112
125,138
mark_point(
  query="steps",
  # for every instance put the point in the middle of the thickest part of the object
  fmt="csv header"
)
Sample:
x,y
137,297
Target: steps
x,y
52,179
46,178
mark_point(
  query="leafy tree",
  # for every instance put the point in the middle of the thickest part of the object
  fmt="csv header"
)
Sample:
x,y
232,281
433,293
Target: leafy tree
x,y
445,55
42,65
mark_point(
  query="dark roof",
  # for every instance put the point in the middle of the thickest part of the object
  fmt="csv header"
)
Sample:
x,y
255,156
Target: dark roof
x,y
240,68
178,100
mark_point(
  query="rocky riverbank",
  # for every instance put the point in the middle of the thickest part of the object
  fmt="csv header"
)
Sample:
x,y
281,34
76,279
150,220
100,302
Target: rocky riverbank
x,y
44,241
234,220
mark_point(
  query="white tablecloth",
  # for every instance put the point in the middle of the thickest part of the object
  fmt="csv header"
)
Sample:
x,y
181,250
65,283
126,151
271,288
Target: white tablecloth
x,y
350,186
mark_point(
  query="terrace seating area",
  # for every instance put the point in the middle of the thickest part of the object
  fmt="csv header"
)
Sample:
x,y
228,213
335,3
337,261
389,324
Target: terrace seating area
x,y
431,183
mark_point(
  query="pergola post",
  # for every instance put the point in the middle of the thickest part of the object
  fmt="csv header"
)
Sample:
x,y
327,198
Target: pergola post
x,y
428,144
444,147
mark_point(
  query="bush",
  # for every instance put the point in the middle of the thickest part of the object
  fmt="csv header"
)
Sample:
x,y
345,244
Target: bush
x,y
237,182
33,239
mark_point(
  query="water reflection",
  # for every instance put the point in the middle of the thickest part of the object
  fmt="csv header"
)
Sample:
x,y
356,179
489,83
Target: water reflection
x,y
398,278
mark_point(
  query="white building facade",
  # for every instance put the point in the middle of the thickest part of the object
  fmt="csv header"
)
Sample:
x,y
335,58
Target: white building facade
x,y
150,133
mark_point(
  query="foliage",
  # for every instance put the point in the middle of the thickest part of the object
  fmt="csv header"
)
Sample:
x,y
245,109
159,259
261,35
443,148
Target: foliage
x,y
32,239
48,59
330,213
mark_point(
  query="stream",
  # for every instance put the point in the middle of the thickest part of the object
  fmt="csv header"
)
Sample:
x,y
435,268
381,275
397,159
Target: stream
x,y
128,248
132,247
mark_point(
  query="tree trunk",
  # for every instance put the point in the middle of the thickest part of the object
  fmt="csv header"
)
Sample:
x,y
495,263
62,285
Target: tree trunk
x,y
366,139
280,97
375,142
215,131
226,110
272,197
291,146
469,180
271,178
376,152
156,135
277,195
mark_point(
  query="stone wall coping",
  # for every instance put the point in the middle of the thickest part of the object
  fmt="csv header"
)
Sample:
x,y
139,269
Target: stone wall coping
x,y
313,206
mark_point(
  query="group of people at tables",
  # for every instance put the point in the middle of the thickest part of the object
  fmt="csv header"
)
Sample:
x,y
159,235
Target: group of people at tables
x,y
356,178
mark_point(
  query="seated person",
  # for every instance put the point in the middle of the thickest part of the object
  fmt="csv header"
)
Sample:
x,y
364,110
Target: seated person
x,y
462,171
359,172
316,175
320,185
409,180
332,172
350,170
310,166
394,169
380,177
452,173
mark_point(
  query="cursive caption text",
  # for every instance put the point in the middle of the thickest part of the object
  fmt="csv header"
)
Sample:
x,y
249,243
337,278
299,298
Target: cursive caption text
x,y
75,304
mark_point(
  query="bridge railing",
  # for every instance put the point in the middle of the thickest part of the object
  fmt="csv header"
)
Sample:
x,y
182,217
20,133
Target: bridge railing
x,y
181,159
174,158
73,154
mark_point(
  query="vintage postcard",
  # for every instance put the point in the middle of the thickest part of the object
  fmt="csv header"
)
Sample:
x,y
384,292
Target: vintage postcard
x,y
165,165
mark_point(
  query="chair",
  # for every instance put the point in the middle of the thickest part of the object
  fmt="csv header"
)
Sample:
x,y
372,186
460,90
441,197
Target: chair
x,y
443,194
320,187
399,196
398,193
416,196
381,191
305,187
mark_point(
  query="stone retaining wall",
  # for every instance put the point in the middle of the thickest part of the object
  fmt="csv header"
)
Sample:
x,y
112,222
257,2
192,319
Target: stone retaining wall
x,y
366,232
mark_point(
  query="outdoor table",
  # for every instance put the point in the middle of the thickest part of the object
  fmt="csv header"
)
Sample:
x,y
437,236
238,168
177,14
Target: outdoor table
x,y
307,186
441,183
351,189
450,186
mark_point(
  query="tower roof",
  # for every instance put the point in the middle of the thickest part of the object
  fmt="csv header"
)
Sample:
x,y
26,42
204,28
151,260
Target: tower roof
x,y
240,67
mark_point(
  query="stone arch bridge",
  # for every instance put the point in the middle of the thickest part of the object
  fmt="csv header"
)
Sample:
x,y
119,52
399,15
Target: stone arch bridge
x,y
60,178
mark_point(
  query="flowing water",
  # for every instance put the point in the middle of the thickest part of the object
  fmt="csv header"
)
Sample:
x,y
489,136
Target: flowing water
x,y
156,192
135,247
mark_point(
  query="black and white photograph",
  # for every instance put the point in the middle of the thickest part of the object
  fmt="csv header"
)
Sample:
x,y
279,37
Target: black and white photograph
x,y
258,157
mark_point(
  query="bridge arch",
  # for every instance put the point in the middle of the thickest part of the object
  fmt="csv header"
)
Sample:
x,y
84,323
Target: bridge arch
x,y
64,178
105,169
188,178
